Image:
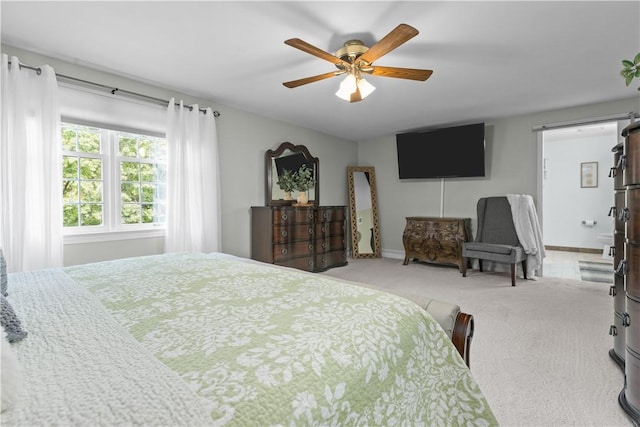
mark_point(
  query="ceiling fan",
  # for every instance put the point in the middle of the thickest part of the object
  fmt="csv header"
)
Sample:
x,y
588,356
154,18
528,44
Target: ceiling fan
x,y
355,59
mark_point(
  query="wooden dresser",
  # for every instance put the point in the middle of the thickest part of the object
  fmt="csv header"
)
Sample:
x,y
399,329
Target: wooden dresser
x,y
436,240
308,238
626,288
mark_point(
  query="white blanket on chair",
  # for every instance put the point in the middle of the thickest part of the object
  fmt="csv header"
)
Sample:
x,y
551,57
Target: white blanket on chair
x,y
525,220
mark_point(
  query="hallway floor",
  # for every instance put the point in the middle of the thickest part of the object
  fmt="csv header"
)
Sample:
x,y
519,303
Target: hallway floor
x,y
565,264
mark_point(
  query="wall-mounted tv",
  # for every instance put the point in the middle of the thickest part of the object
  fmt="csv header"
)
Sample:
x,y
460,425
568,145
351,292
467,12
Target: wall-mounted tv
x,y
451,152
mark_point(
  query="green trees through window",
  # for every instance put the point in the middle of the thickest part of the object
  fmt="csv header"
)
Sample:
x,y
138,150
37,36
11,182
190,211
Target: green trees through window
x,y
142,179
82,182
136,192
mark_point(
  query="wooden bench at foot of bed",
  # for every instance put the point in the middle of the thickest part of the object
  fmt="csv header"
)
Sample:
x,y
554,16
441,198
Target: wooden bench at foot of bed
x,y
462,335
457,325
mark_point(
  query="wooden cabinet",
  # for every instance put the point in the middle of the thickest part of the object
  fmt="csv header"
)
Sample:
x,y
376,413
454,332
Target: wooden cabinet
x,y
626,288
308,238
618,351
436,240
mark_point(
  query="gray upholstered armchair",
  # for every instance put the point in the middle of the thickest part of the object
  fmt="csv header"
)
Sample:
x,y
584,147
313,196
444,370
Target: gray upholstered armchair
x,y
496,239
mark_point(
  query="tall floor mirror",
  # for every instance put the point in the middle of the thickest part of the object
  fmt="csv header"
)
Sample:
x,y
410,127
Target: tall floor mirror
x,y
363,207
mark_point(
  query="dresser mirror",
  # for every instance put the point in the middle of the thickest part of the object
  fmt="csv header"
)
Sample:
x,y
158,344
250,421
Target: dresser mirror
x,y
289,157
363,208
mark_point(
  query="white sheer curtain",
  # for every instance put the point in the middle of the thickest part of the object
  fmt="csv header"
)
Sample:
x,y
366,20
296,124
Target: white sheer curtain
x,y
30,168
193,189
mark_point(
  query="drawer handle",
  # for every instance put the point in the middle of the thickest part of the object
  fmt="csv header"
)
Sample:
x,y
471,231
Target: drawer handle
x,y
612,291
625,214
284,251
284,217
310,230
325,215
284,233
626,320
622,267
324,245
323,229
612,251
612,172
310,216
612,211
310,247
613,331
309,263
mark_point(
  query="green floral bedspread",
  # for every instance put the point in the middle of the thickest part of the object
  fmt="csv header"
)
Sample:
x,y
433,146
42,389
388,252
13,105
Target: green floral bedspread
x,y
264,346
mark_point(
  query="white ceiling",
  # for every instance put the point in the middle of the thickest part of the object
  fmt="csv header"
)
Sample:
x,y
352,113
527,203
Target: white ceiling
x,y
490,59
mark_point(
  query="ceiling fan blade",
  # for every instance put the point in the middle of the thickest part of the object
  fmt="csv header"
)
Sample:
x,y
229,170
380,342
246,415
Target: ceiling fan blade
x,y
402,73
306,80
395,38
308,48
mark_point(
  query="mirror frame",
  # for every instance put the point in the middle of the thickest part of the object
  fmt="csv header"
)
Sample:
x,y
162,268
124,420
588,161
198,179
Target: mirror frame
x,y
274,154
374,212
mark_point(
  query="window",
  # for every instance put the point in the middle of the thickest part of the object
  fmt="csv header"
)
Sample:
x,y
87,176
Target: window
x,y
112,180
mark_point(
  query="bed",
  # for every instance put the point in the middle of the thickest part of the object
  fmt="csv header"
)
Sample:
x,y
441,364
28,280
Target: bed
x,y
212,339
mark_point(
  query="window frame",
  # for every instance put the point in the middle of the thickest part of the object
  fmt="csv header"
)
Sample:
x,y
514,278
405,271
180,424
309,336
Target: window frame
x,y
111,228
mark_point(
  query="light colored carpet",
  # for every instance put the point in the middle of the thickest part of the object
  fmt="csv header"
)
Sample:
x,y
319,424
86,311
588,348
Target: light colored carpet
x,y
540,350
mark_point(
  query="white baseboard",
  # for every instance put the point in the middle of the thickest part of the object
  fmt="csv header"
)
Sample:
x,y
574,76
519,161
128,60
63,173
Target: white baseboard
x,y
392,253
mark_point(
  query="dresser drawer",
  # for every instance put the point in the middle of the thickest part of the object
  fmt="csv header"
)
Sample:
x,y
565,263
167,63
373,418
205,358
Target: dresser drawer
x,y
291,233
632,151
632,278
292,216
617,171
332,243
304,263
286,251
632,332
620,297
618,331
330,259
442,230
618,241
330,214
326,229
620,205
433,226
633,223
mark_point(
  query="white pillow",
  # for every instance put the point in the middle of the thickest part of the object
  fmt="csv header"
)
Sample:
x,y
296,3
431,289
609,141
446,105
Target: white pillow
x,y
10,376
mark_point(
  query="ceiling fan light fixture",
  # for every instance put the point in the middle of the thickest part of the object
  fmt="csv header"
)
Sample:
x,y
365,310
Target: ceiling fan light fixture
x,y
347,87
350,85
366,88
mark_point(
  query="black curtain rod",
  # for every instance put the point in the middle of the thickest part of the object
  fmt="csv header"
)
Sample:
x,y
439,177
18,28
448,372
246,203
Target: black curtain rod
x,y
113,90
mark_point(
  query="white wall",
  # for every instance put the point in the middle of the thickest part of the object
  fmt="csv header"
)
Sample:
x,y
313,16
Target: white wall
x,y
243,140
566,203
511,165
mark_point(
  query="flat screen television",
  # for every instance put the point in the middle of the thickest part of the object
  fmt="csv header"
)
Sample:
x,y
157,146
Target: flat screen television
x,y
451,152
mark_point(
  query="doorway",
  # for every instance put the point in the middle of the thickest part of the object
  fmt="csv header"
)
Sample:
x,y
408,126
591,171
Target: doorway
x,y
576,195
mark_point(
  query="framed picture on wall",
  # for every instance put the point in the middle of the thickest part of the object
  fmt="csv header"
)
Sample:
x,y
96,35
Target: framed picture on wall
x,y
589,174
